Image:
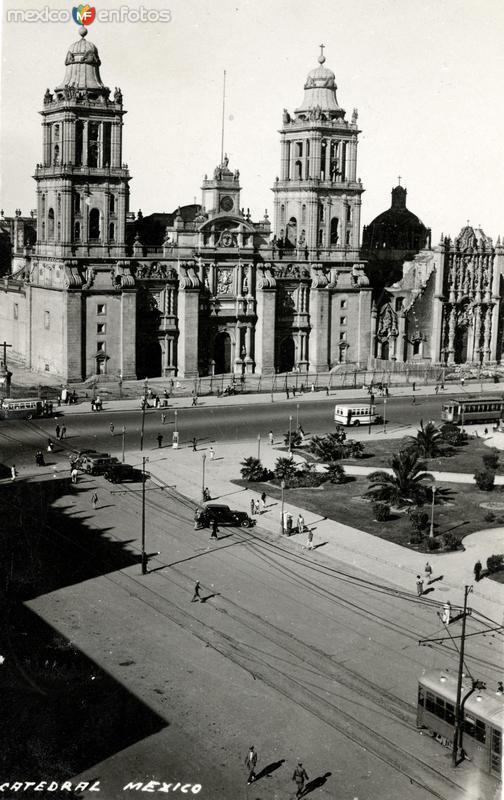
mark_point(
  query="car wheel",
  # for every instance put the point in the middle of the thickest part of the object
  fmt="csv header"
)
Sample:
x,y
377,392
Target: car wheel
x,y
356,423
245,523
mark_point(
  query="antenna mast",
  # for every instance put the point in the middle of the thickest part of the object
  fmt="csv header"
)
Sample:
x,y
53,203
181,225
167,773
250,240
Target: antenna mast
x,y
223,110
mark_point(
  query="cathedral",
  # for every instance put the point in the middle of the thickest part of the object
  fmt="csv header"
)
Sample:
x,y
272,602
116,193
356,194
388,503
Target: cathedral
x,y
206,290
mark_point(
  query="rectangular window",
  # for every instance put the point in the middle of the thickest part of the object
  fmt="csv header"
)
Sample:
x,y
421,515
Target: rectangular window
x,y
421,696
16,310
343,303
342,320
107,128
47,320
100,347
101,308
342,336
101,327
430,703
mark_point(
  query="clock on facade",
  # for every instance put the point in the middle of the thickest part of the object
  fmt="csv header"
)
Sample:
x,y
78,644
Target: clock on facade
x,y
226,203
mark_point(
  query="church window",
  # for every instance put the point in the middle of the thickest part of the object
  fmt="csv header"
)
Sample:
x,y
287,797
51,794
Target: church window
x,y
334,230
299,168
348,237
56,132
47,320
100,347
112,204
342,336
43,231
287,157
343,303
111,231
107,128
16,310
399,303
321,212
56,154
342,320
77,203
94,223
101,308
93,143
343,160
349,213
320,236
323,151
282,215
101,327
79,139
303,214
58,234
77,231
59,204
416,347
43,205
50,225
299,149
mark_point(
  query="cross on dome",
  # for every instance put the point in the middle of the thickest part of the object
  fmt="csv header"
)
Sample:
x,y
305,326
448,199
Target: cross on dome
x,y
321,58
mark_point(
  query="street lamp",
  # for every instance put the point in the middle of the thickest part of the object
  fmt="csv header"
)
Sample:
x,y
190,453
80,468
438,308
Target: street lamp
x,y
384,415
258,446
123,431
203,459
175,431
431,532
144,556
297,415
282,486
290,434
144,404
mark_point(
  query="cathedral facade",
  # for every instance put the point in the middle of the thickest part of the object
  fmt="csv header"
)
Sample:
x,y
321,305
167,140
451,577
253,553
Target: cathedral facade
x,y
212,292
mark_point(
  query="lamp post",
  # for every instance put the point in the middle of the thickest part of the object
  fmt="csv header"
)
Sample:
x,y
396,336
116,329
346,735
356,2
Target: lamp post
x,y
144,405
282,486
123,432
385,415
203,460
297,416
290,434
144,555
258,446
431,532
175,431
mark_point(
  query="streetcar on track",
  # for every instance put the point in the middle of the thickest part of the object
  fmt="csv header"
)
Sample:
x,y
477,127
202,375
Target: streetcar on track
x,y
356,415
470,409
482,715
24,408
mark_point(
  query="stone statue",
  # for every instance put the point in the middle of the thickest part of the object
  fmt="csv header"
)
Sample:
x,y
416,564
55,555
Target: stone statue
x,y
118,98
286,118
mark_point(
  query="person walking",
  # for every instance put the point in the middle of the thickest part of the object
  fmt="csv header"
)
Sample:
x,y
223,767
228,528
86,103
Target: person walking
x,y
271,438
112,428
477,571
300,776
211,453
262,503
300,523
252,507
196,596
194,400
309,541
57,431
250,763
215,529
39,458
413,386
197,519
462,381
428,573
163,418
13,472
94,500
74,473
63,432
446,613
413,401
419,586
159,438
194,443
436,388
289,524
285,521
50,445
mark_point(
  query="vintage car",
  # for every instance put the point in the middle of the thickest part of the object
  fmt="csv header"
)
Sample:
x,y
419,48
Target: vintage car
x,y
224,516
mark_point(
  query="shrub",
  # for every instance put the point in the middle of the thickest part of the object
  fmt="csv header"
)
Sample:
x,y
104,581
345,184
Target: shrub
x,y
432,544
330,447
335,472
452,434
354,449
495,563
419,520
295,437
381,511
450,541
306,477
253,470
491,460
484,479
489,516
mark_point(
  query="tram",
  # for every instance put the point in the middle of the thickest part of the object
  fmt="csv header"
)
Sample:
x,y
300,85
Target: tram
x,y
482,717
478,408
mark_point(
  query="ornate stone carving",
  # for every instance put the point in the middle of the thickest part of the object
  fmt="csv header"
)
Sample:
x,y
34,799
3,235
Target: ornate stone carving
x,y
227,239
292,271
72,277
265,277
155,271
387,323
188,276
224,281
319,276
89,276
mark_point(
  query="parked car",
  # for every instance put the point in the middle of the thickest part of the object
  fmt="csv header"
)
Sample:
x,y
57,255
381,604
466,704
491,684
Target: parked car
x,y
118,473
224,516
97,464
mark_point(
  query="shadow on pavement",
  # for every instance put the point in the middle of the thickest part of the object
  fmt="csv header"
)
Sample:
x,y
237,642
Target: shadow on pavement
x,y
315,784
268,769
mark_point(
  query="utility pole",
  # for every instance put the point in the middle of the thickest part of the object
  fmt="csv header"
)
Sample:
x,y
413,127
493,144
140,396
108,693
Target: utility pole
x,y
384,415
144,556
258,446
290,434
144,405
282,528
123,431
459,721
203,459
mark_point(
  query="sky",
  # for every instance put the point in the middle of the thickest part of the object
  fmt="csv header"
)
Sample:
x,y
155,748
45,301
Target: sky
x,y
425,77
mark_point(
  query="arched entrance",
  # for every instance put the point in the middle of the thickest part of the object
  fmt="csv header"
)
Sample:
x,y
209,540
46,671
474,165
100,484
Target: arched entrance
x,y
287,355
222,353
460,344
150,360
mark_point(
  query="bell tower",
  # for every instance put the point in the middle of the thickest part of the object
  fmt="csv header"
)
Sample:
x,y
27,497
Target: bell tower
x,y
317,196
82,185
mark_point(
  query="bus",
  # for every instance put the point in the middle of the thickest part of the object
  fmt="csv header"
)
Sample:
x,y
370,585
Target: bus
x,y
476,408
24,408
355,415
482,717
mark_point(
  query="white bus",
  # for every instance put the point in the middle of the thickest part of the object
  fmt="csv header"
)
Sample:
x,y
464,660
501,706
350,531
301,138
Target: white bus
x,y
355,415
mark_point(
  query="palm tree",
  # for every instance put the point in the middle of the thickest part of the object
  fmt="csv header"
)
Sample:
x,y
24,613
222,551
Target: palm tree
x,y
428,441
404,485
252,469
330,447
285,468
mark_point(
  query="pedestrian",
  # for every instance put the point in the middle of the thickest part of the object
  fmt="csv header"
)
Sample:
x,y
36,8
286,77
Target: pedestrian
x,y
446,614
211,453
94,500
13,472
39,458
300,523
428,572
301,430
300,776
57,430
442,386
500,687
250,763
386,390
111,426
196,596
159,438
271,438
215,529
372,399
287,392
252,506
285,520
197,519
419,586
49,445
477,571
413,386
262,507
63,431
462,381
194,400
312,388
194,443
413,401
486,431
309,541
156,402
163,418
206,494
436,388
74,474
289,524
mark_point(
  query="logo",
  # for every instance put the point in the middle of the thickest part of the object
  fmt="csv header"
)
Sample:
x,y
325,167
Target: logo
x,y
83,15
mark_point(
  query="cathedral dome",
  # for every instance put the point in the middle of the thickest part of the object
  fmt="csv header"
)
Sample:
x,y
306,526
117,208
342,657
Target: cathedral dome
x,y
395,229
82,65
320,89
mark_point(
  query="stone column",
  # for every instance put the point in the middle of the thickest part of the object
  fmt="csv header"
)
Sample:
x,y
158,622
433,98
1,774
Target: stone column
x,y
319,321
487,352
315,156
451,336
85,143
265,325
474,354
284,158
73,333
188,317
127,360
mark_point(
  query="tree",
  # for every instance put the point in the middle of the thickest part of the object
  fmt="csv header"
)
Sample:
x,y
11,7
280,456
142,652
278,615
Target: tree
x,y
452,434
381,511
285,468
335,472
406,483
427,443
253,470
491,460
484,479
419,520
329,448
295,439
